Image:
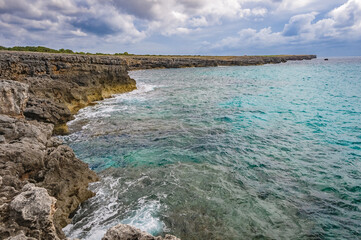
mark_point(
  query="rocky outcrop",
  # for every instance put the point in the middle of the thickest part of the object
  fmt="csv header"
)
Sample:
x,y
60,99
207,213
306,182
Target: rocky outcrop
x,y
29,154
61,84
126,232
148,62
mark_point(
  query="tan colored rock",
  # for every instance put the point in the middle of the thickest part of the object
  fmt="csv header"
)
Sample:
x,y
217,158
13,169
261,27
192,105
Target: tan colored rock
x,y
13,97
35,209
20,236
127,232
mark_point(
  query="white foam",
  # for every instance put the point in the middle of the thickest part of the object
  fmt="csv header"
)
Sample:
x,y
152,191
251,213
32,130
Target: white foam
x,y
137,94
145,218
105,108
106,214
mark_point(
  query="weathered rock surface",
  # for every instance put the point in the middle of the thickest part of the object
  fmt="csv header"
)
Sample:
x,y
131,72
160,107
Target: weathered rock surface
x,y
61,84
13,97
126,232
29,154
34,208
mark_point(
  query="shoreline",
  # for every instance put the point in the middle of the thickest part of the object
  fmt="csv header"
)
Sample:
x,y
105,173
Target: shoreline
x,y
40,93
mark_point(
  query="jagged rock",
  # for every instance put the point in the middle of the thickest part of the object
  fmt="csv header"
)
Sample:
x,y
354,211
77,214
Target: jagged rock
x,y
29,153
127,232
13,97
34,208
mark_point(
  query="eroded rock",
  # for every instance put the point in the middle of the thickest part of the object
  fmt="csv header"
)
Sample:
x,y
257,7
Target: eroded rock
x,y
13,97
29,153
34,208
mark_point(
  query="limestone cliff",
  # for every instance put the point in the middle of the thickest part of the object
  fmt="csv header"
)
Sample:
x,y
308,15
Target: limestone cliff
x,y
61,84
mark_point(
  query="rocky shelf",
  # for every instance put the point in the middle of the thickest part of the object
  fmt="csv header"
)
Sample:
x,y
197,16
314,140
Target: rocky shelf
x,y
41,181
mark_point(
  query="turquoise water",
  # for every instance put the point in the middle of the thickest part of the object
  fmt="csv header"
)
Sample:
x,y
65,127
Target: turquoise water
x,y
256,152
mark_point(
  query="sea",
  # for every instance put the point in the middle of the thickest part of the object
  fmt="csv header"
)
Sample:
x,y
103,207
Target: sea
x,y
235,152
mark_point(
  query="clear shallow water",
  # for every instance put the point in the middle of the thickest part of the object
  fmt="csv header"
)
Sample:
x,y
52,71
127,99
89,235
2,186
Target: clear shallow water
x,y
258,152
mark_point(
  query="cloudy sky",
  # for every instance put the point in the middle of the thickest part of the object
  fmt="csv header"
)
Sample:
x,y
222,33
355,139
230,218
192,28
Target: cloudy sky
x,y
207,27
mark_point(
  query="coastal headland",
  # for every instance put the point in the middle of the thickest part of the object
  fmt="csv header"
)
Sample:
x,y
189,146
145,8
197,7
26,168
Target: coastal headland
x,y
41,181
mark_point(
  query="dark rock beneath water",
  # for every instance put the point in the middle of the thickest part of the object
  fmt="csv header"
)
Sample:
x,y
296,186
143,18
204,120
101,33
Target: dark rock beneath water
x,y
127,232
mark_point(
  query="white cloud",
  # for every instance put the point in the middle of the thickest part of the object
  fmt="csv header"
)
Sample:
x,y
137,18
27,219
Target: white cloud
x,y
120,22
302,6
343,23
79,33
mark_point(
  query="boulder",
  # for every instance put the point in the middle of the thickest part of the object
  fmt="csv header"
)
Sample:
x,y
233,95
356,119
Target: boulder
x,y
34,208
127,232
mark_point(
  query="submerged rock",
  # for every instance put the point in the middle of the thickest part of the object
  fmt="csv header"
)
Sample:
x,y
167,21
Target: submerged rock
x,y
127,232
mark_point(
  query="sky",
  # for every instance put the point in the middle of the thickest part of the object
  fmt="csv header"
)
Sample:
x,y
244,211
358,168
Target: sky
x,y
196,27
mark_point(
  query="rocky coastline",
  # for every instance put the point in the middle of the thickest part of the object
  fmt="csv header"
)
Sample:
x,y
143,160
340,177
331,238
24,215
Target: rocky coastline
x,y
150,62
41,181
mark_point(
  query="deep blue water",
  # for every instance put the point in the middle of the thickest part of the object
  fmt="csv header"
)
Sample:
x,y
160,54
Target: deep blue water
x,y
255,152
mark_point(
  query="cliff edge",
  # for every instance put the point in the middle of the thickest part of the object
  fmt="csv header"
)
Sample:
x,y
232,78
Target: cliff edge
x,y
61,84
